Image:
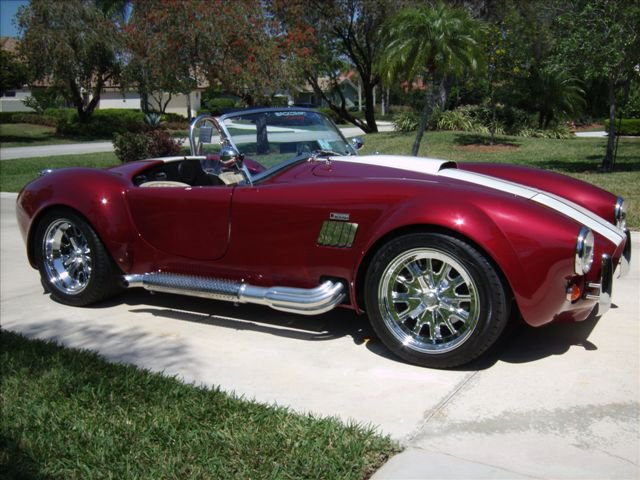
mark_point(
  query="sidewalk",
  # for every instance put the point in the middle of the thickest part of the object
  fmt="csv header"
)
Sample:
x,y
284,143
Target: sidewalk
x,y
54,150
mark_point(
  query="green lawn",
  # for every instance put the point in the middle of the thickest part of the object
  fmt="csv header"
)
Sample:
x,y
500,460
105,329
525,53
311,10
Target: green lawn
x,y
577,157
68,414
29,135
14,174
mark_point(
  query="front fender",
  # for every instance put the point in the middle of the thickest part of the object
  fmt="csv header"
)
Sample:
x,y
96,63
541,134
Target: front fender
x,y
96,194
532,247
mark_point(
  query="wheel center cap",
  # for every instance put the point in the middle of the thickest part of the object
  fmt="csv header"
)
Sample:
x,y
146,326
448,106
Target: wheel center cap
x,y
431,300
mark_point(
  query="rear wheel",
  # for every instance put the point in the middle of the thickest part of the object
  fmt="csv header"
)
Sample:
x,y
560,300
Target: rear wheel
x,y
74,265
435,300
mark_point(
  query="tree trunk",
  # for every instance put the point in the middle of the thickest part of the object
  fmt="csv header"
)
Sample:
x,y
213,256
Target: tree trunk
x,y
442,93
369,112
424,119
339,109
607,162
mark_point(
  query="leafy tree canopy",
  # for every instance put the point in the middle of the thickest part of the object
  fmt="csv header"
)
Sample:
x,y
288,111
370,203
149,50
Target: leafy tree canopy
x,y
13,74
72,43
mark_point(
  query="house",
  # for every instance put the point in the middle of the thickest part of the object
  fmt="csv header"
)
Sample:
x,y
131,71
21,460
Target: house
x,y
110,97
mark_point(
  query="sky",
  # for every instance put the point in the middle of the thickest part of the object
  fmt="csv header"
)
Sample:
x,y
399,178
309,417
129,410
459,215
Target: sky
x,y
8,10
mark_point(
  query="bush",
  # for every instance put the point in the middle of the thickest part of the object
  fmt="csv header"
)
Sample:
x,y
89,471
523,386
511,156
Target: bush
x,y
43,98
131,146
59,113
560,131
405,122
454,120
219,106
331,114
628,126
34,119
103,123
173,117
174,121
7,117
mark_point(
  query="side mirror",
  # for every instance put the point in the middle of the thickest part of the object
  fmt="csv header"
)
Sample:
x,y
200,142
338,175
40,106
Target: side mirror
x,y
229,156
357,143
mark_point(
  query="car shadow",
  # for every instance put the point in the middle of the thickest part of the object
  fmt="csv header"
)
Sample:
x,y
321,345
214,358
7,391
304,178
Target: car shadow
x,y
520,344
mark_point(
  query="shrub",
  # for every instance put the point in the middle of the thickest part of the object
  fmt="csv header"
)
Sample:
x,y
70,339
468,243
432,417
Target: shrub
x,y
7,117
59,113
560,131
42,98
219,106
103,123
131,146
173,117
405,122
34,119
454,120
628,126
331,114
162,144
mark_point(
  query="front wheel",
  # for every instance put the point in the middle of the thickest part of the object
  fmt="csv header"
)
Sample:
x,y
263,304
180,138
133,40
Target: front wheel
x,y
435,300
74,265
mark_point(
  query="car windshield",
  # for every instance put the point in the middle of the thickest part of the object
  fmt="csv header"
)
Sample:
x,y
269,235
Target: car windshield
x,y
273,136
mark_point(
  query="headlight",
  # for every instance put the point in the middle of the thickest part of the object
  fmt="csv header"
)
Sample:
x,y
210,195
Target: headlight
x,y
584,251
620,213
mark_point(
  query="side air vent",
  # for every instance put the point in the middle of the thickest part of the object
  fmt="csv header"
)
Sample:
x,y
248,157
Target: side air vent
x,y
337,234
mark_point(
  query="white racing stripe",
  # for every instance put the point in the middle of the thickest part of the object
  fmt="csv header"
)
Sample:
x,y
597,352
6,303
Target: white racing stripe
x,y
434,166
429,166
555,202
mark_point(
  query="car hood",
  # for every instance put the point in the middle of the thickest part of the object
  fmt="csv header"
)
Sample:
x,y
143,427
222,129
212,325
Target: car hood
x,y
445,170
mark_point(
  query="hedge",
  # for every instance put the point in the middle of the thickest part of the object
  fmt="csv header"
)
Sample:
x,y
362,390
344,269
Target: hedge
x,y
103,123
628,126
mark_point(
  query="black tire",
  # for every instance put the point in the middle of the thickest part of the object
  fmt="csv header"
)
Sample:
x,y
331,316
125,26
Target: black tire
x,y
435,300
75,267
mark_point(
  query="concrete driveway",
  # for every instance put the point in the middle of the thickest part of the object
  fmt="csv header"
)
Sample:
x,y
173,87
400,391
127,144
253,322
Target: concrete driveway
x,y
555,402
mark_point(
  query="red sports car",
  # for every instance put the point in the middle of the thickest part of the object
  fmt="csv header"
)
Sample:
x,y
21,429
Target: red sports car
x,y
275,207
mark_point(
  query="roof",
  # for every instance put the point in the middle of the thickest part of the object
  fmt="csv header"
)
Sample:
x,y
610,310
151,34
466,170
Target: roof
x,y
9,44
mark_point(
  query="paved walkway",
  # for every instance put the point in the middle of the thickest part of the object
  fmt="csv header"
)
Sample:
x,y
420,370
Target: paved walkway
x,y
54,150
558,402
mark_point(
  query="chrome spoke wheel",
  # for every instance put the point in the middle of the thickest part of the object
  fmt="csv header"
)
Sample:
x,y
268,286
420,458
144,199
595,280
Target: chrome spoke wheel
x,y
428,300
67,257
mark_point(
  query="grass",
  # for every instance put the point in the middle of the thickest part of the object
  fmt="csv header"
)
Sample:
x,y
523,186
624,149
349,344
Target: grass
x,y
577,157
14,174
28,135
69,414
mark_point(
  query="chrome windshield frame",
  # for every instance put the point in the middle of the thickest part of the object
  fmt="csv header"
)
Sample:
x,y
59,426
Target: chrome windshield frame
x,y
227,139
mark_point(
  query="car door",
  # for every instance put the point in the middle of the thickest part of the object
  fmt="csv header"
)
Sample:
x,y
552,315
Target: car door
x,y
188,222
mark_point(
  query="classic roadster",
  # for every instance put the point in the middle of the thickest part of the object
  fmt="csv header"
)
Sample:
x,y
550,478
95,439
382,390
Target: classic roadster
x,y
275,207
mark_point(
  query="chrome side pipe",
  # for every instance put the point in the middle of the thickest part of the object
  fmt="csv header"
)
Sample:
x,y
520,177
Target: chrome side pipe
x,y
311,301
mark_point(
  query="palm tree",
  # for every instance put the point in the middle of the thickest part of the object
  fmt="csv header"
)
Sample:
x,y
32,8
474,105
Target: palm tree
x,y
555,93
432,42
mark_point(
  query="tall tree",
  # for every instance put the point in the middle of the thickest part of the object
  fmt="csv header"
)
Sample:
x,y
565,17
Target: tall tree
x,y
232,44
339,33
72,43
431,42
600,39
148,37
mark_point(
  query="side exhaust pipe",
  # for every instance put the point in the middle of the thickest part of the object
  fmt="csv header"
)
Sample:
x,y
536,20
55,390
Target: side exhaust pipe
x,y
312,301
